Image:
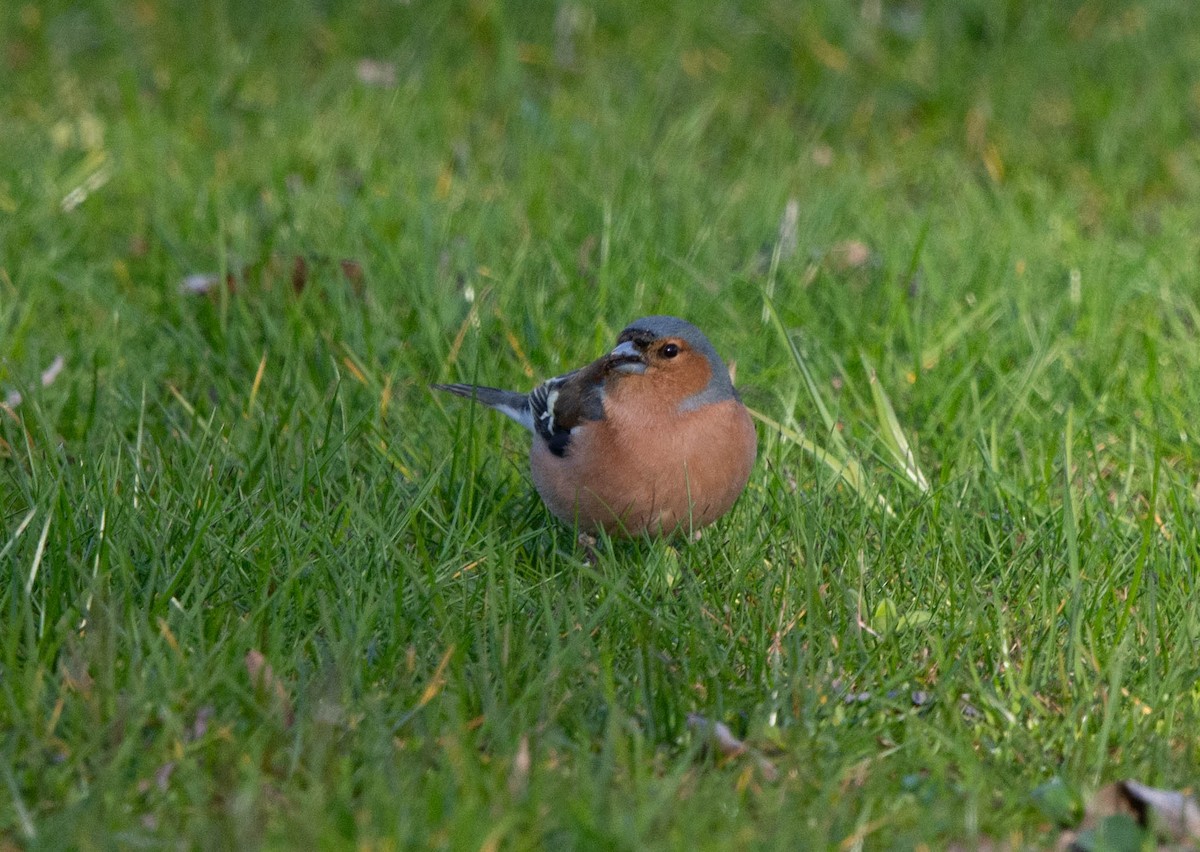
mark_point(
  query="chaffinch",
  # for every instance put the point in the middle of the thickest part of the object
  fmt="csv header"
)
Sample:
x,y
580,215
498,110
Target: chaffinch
x,y
650,438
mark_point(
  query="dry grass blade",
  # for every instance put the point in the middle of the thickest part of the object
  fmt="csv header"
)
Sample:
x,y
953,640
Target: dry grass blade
x,y
840,460
438,681
37,555
25,522
810,383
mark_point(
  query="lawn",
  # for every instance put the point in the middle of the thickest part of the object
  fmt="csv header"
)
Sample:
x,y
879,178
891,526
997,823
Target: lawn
x,y
259,587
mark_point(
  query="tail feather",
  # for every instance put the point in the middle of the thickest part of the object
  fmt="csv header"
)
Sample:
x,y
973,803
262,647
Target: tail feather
x,y
509,403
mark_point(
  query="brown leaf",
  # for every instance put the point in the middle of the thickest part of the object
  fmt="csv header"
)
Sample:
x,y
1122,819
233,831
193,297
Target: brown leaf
x,y
299,273
353,272
302,271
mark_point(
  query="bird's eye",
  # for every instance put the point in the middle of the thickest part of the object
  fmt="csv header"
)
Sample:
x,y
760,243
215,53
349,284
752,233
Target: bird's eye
x,y
670,350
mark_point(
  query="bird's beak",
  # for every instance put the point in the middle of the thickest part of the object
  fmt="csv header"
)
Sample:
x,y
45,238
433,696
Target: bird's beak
x,y
627,359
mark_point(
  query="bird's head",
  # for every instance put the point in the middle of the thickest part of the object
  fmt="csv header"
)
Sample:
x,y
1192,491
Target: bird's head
x,y
674,358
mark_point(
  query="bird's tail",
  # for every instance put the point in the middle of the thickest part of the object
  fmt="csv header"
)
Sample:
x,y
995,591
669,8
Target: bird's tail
x,y
509,403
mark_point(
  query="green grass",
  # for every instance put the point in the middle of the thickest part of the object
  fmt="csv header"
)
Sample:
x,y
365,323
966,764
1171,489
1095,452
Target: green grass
x,y
262,469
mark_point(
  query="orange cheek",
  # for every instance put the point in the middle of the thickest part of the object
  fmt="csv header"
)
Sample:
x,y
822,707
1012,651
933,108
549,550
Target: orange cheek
x,y
683,376
660,390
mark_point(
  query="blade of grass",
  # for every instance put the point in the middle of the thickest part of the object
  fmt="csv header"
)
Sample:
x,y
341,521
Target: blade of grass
x,y
810,383
893,436
980,317
25,522
847,469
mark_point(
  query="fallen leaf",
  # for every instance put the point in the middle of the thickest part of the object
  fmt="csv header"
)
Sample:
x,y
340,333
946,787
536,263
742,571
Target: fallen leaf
x,y
203,283
353,271
718,734
849,254
77,680
299,273
302,271
729,746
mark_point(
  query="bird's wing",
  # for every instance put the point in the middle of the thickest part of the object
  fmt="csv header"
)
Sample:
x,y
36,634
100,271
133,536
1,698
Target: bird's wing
x,y
564,402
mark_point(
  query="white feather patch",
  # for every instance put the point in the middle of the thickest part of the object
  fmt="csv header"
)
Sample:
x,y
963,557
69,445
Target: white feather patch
x,y
548,414
522,415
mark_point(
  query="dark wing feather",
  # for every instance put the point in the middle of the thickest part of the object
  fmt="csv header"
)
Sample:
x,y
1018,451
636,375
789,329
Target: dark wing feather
x,y
562,403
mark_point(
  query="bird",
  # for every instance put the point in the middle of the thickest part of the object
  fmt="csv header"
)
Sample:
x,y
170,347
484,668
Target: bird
x,y
649,439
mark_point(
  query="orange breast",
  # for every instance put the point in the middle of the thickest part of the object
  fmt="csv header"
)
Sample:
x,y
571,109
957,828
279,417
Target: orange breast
x,y
637,473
